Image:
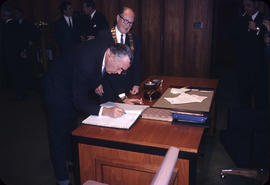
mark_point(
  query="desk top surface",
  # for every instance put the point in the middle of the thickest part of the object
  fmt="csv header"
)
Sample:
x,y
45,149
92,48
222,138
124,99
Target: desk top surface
x,y
155,133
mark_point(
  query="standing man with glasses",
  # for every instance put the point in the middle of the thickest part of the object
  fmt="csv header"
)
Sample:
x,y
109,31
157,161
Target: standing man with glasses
x,y
66,29
129,81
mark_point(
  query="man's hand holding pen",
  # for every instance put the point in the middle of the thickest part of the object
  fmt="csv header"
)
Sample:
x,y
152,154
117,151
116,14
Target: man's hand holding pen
x,y
113,111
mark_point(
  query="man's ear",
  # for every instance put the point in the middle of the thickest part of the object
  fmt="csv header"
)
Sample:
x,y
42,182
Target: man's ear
x,y
110,53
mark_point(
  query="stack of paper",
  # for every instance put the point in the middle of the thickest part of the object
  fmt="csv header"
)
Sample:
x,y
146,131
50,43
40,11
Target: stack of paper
x,y
179,91
185,98
124,122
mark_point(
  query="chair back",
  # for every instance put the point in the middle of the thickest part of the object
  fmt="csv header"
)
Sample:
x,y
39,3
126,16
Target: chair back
x,y
165,171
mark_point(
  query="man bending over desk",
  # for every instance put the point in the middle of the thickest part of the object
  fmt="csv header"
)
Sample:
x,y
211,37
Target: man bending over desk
x,y
67,85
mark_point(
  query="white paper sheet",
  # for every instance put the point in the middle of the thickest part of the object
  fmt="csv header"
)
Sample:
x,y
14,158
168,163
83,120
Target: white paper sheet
x,y
179,90
185,98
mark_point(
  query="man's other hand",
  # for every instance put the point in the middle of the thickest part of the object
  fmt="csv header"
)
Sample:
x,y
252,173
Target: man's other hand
x,y
99,90
135,90
252,25
113,112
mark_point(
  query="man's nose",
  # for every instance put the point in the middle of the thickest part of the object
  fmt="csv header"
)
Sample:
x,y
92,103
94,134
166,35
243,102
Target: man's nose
x,y
119,71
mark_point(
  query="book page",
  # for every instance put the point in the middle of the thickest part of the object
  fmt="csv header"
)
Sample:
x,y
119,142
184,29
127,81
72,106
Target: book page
x,y
125,121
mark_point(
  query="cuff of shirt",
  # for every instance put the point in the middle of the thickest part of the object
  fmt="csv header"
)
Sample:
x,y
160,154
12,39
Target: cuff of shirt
x,y
100,111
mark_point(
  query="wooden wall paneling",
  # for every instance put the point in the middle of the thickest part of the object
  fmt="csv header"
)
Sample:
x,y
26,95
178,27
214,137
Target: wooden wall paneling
x,y
26,6
207,37
150,36
225,15
109,9
198,41
40,10
135,6
53,10
77,5
173,57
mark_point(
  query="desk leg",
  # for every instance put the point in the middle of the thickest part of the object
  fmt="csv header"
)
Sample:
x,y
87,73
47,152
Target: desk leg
x,y
192,171
77,177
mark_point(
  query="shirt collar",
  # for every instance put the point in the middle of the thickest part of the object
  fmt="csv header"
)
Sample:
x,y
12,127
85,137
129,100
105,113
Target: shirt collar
x,y
103,63
67,19
92,15
254,15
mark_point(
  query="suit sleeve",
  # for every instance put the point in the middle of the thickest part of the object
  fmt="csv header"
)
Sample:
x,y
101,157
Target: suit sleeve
x,y
84,79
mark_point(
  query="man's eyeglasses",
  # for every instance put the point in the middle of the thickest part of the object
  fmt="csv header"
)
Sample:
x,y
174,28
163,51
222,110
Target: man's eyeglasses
x,y
123,72
125,21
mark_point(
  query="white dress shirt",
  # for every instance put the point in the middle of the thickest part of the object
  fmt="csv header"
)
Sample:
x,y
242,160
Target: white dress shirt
x,y
118,36
69,19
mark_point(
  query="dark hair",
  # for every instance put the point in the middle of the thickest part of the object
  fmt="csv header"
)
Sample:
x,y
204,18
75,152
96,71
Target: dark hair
x,y
90,3
122,50
63,6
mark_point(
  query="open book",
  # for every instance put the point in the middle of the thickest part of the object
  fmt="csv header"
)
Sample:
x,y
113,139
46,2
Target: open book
x,y
125,121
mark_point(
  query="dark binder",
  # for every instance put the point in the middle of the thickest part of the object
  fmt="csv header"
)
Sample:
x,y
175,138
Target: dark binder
x,y
193,120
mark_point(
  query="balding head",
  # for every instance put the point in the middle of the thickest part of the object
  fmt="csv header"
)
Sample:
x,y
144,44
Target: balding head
x,y
125,19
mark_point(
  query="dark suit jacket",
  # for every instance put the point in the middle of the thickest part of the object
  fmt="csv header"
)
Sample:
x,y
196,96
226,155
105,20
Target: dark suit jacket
x,y
116,84
27,32
251,66
10,35
94,25
65,36
249,45
73,75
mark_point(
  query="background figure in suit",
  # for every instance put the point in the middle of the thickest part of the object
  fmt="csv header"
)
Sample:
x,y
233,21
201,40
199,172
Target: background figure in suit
x,y
67,85
67,30
92,21
27,35
251,67
130,82
11,51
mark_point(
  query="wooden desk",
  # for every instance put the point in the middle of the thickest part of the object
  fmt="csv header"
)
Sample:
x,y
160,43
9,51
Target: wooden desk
x,y
131,157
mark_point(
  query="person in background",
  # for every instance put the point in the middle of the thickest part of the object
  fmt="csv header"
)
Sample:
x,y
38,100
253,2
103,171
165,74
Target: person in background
x,y
130,81
67,29
92,21
251,68
11,52
28,34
